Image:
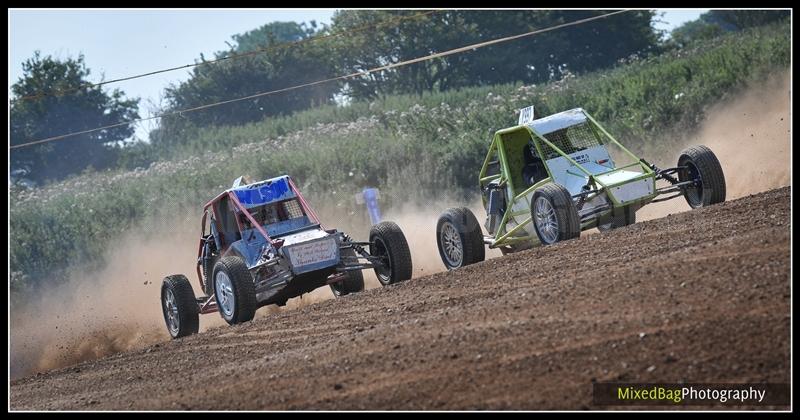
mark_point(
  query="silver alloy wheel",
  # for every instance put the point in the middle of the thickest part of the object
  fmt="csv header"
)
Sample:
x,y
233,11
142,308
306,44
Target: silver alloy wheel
x,y
171,312
224,293
546,222
451,244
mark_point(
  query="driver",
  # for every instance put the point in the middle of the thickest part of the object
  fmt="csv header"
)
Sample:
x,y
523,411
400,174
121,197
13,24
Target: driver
x,y
534,170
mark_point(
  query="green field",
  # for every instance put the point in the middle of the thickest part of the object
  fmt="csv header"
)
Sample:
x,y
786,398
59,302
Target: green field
x,y
413,148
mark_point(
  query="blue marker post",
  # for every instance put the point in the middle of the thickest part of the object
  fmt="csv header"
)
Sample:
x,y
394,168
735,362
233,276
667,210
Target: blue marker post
x,y
370,196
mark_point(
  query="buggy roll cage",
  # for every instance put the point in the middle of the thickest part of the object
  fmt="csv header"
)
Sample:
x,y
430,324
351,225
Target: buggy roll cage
x,y
595,185
243,210
237,205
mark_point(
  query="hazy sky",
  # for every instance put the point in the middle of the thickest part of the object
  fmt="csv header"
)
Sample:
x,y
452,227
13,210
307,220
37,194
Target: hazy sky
x,y
118,43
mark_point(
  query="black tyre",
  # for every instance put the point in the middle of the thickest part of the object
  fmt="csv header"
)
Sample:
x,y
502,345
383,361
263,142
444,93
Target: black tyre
x,y
554,215
459,237
388,242
353,283
179,306
620,216
702,165
234,290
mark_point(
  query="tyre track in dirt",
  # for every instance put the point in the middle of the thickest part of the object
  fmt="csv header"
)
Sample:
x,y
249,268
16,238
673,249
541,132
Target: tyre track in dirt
x,y
700,296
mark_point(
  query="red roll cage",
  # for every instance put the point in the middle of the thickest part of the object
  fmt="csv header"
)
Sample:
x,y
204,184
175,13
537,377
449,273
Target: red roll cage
x,y
238,206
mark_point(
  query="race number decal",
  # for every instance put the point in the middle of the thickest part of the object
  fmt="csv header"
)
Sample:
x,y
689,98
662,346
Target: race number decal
x,y
581,158
526,115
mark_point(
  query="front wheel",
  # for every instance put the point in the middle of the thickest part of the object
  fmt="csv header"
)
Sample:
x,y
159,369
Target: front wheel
x,y
234,290
179,306
554,215
459,237
388,243
353,283
701,166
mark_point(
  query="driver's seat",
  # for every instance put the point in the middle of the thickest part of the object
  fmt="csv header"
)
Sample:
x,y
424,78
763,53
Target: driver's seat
x,y
534,170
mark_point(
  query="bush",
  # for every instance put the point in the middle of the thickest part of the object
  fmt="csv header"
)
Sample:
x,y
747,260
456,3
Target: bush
x,y
414,148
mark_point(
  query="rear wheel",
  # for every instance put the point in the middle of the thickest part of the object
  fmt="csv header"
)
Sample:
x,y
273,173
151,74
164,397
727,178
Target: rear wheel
x,y
179,306
389,244
234,290
554,215
353,283
620,216
704,168
459,237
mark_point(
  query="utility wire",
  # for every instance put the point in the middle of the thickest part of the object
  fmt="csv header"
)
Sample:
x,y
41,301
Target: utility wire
x,y
229,57
348,76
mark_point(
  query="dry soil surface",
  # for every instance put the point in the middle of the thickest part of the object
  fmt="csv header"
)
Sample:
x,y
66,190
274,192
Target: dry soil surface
x,y
701,296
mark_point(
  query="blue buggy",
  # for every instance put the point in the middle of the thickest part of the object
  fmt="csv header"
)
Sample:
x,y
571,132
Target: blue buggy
x,y
262,244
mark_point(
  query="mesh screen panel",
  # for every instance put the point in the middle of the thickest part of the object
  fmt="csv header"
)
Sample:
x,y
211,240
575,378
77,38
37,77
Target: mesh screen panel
x,y
293,209
570,140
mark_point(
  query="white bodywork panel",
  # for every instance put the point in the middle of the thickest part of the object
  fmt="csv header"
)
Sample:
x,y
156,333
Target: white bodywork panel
x,y
558,121
570,176
617,177
632,190
314,252
311,250
303,236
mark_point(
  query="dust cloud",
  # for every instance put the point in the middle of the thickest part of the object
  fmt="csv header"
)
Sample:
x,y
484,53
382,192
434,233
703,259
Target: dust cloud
x,y
99,313
418,223
750,134
117,308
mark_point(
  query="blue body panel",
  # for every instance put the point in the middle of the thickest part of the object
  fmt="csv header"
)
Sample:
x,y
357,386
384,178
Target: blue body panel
x,y
269,191
281,228
250,250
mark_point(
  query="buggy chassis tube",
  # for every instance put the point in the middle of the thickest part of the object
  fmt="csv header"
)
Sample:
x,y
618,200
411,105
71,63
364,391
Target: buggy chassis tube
x,y
358,267
647,171
497,145
247,214
200,250
210,305
507,183
307,208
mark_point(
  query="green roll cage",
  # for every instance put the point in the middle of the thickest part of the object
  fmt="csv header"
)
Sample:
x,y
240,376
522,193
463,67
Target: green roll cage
x,y
520,135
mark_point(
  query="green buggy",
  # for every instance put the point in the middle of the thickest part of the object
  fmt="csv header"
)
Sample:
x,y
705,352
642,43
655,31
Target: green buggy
x,y
546,180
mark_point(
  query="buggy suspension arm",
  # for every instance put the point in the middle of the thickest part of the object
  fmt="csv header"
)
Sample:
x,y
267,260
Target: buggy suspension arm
x,y
359,248
668,174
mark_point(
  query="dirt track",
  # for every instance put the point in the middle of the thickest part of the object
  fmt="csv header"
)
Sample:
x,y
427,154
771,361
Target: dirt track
x,y
701,296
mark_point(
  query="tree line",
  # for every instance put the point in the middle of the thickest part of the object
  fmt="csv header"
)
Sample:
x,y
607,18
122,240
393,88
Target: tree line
x,y
394,36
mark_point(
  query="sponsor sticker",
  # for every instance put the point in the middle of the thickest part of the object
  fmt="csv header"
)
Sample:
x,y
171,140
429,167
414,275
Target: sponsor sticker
x,y
314,252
